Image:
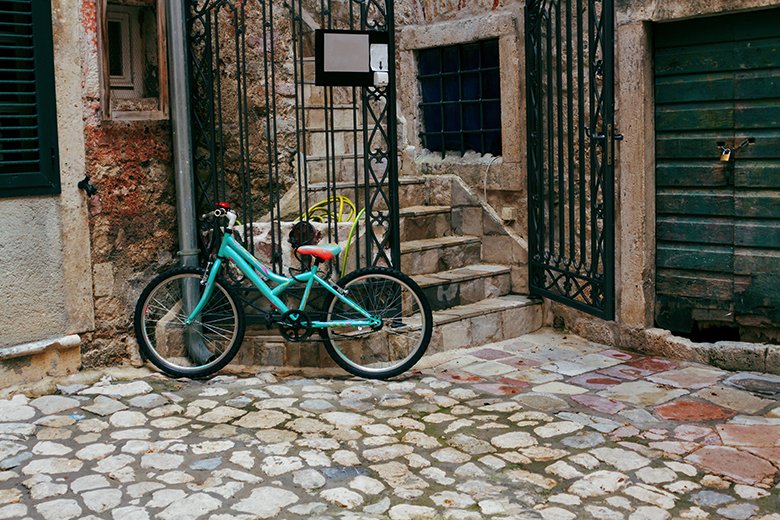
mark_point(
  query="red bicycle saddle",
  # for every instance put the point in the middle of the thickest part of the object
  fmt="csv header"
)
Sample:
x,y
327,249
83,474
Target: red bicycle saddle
x,y
321,252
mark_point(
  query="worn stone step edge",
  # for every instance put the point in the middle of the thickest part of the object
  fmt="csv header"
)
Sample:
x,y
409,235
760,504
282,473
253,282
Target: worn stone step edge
x,y
484,307
461,274
423,211
417,246
321,186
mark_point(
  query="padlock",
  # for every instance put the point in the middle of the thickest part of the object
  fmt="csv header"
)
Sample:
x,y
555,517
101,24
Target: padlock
x,y
725,155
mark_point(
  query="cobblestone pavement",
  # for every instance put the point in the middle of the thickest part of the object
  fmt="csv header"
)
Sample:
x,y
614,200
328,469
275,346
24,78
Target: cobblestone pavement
x,y
546,426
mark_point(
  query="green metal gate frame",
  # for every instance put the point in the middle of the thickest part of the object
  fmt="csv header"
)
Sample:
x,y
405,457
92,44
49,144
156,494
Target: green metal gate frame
x,y
571,138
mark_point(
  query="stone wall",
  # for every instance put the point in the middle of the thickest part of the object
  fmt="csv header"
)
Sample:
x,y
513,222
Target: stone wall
x,y
501,181
132,219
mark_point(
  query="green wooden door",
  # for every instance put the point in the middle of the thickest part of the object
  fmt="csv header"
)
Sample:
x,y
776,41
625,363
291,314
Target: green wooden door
x,y
718,223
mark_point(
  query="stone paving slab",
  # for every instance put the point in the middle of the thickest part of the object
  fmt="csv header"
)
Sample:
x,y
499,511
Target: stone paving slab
x,y
546,426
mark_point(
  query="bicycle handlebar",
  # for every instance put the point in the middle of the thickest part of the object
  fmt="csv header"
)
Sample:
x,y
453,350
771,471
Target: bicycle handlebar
x,y
221,212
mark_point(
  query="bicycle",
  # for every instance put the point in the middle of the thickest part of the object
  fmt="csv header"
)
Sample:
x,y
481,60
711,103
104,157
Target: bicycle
x,y
190,323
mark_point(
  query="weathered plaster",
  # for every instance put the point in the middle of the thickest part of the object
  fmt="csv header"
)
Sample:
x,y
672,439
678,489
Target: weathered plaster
x,y
44,241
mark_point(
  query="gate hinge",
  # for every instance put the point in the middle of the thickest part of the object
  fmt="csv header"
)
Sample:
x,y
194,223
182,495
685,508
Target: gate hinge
x,y
612,136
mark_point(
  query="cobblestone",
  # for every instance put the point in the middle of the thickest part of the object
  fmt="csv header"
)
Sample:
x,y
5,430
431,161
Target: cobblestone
x,y
521,429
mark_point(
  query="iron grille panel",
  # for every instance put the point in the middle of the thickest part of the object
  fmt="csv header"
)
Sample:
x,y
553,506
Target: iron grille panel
x,y
271,143
570,77
461,98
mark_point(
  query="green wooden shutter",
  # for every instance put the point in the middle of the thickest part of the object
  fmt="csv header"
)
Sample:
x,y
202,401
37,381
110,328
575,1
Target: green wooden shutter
x,y
29,162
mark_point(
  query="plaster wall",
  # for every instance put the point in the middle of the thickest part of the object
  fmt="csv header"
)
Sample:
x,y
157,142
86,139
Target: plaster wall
x,y
45,275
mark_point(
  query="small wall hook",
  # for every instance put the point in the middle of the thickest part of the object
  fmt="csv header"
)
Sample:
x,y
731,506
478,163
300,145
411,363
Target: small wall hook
x,y
90,189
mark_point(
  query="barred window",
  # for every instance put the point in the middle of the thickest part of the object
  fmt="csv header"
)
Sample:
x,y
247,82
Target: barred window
x,y
461,98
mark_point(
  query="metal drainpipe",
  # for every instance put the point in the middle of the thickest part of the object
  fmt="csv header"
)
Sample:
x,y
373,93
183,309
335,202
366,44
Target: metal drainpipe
x,y
180,129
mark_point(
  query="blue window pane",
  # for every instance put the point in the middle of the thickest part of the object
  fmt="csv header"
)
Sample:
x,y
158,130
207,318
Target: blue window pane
x,y
432,118
452,117
433,142
491,85
450,59
470,57
473,141
460,89
431,90
429,61
490,54
491,114
470,85
451,89
471,116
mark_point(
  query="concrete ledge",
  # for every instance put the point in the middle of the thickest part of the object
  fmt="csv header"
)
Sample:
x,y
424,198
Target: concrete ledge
x,y
728,355
30,362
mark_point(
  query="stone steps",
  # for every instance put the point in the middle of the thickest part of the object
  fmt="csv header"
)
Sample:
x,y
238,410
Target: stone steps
x,y
432,255
465,285
485,321
420,222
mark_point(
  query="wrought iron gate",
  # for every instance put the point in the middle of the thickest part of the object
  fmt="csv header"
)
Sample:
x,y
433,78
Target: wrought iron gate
x,y
571,137
273,144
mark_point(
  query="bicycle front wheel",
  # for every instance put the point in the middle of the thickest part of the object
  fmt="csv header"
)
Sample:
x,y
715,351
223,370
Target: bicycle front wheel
x,y
388,349
196,350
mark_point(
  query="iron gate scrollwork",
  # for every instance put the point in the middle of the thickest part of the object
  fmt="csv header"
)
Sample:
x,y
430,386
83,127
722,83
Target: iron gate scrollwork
x,y
571,137
281,149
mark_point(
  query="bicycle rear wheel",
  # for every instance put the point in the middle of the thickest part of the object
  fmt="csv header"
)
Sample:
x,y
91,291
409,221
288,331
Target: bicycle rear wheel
x,y
196,350
395,346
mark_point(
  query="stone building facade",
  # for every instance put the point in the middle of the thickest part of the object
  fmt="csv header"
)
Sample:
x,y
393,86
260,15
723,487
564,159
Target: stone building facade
x,y
74,264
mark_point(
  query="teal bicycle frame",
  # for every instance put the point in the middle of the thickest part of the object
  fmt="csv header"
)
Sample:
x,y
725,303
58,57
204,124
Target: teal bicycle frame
x,y
249,266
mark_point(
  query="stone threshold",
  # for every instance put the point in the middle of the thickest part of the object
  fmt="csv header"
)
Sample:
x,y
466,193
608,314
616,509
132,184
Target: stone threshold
x,y
30,362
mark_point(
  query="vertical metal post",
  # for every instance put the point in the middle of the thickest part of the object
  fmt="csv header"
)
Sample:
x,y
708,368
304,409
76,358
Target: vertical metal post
x,y
178,79
180,131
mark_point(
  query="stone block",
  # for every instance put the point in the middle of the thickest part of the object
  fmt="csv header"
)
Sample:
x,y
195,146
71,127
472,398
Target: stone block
x,y
519,279
461,195
460,255
103,279
309,355
420,262
32,362
438,190
292,355
521,320
472,291
496,286
467,220
457,334
735,355
437,343
497,249
273,355
486,328
773,359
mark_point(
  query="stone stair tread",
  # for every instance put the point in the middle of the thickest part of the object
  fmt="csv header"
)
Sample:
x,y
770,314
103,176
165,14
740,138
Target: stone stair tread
x,y
320,186
338,129
433,243
418,211
480,308
337,157
461,274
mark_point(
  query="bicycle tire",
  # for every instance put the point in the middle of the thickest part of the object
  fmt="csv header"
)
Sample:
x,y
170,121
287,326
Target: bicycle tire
x,y
180,357
401,303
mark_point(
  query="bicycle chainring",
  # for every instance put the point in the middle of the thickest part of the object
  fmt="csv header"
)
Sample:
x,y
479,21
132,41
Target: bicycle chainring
x,y
295,326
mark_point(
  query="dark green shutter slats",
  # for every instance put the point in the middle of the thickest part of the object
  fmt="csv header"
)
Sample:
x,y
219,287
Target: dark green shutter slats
x,y
29,163
718,224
